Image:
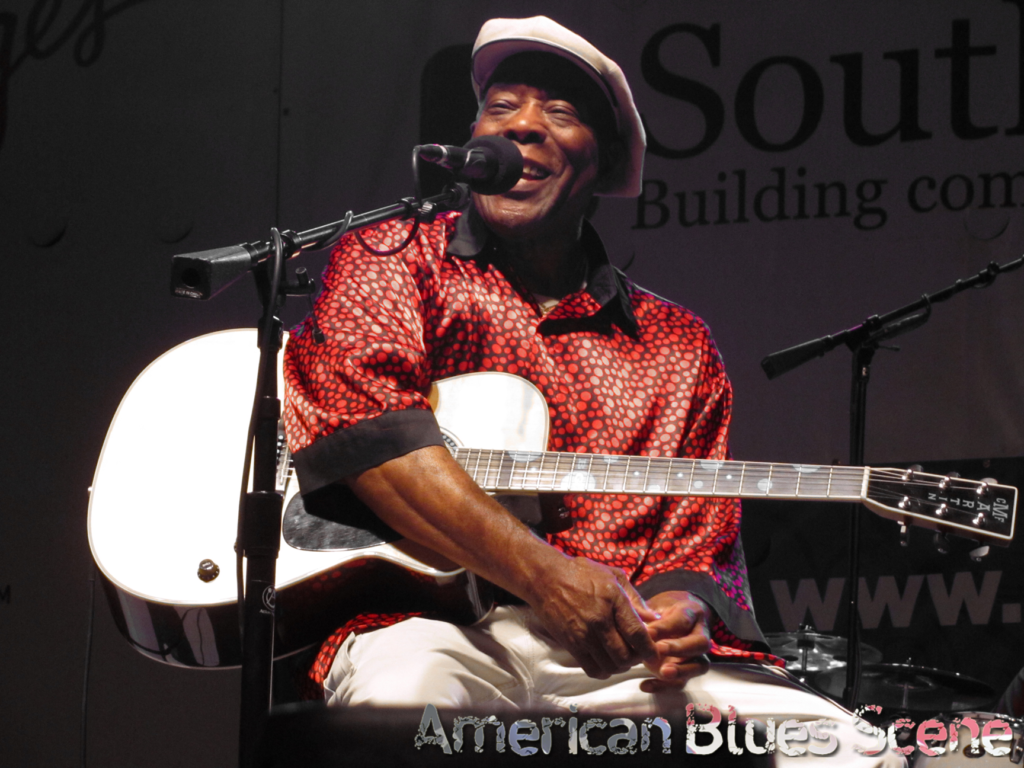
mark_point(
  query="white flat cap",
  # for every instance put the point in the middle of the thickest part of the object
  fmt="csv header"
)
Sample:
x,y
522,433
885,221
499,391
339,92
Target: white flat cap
x,y
501,38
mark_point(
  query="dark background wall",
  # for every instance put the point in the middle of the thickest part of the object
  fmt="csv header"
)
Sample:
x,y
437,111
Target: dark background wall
x,y
138,129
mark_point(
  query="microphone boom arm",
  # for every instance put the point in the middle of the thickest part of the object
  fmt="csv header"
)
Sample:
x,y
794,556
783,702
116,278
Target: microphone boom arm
x,y
204,274
875,328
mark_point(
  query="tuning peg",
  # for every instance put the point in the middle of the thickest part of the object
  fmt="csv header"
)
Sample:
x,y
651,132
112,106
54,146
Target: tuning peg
x,y
909,474
984,489
941,543
977,554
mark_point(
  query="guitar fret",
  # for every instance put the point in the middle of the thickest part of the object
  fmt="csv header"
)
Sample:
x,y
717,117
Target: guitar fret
x,y
530,471
487,470
509,474
589,483
828,488
498,483
647,473
499,471
688,464
743,478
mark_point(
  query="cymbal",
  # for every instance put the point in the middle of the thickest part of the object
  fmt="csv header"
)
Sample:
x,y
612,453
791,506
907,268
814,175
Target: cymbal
x,y
911,688
807,651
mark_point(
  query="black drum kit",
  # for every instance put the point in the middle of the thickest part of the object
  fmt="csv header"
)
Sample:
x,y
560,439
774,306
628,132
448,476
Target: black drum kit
x,y
900,690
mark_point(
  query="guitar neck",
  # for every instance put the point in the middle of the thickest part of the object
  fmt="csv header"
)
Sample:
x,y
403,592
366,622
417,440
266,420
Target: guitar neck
x,y
500,471
978,510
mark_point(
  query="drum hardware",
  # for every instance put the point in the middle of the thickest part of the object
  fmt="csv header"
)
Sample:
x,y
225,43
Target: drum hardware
x,y
808,652
911,688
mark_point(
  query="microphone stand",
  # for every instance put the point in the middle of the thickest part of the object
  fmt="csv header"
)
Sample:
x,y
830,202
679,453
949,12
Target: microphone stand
x,y
864,340
202,275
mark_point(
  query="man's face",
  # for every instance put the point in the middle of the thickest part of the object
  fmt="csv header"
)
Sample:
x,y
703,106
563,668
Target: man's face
x,y
560,162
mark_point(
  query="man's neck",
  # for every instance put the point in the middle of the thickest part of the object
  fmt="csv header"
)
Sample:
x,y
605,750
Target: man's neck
x,y
553,268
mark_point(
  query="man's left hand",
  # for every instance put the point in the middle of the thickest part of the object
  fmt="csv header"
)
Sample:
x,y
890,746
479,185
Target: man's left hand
x,y
682,638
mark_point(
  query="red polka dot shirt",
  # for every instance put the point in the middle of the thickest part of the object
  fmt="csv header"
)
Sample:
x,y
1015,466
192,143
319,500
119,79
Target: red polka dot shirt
x,y
623,372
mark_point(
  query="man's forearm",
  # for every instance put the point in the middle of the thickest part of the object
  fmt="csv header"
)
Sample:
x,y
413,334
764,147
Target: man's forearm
x,y
427,497
591,609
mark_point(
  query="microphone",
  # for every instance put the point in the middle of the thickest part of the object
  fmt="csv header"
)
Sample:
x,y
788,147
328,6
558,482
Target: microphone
x,y
489,164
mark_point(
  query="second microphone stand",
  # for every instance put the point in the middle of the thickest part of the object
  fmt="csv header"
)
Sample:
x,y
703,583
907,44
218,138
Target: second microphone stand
x,y
864,340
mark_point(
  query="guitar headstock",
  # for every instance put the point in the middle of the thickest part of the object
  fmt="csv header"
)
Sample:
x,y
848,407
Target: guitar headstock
x,y
974,509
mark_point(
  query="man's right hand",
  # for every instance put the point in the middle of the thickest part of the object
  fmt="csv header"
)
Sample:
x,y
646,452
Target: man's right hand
x,y
596,614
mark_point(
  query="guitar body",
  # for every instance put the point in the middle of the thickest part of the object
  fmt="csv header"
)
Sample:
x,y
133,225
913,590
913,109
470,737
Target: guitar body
x,y
165,496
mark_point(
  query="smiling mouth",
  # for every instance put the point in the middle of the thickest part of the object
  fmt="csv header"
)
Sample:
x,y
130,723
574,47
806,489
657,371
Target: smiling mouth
x,y
534,172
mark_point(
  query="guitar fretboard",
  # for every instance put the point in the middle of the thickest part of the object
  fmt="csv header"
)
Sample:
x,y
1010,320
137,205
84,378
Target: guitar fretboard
x,y
501,471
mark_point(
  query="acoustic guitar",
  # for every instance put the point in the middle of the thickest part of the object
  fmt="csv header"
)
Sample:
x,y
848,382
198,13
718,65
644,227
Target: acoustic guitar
x,y
164,500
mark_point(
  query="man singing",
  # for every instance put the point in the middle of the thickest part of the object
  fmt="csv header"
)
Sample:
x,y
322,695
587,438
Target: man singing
x,y
642,604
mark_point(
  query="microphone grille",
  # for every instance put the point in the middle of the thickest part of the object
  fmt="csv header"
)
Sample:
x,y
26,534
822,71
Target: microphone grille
x,y
509,160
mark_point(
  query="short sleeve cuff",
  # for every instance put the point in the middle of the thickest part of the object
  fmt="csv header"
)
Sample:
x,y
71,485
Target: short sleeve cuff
x,y
363,446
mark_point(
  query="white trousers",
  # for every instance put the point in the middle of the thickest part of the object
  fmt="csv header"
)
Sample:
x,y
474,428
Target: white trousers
x,y
508,661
